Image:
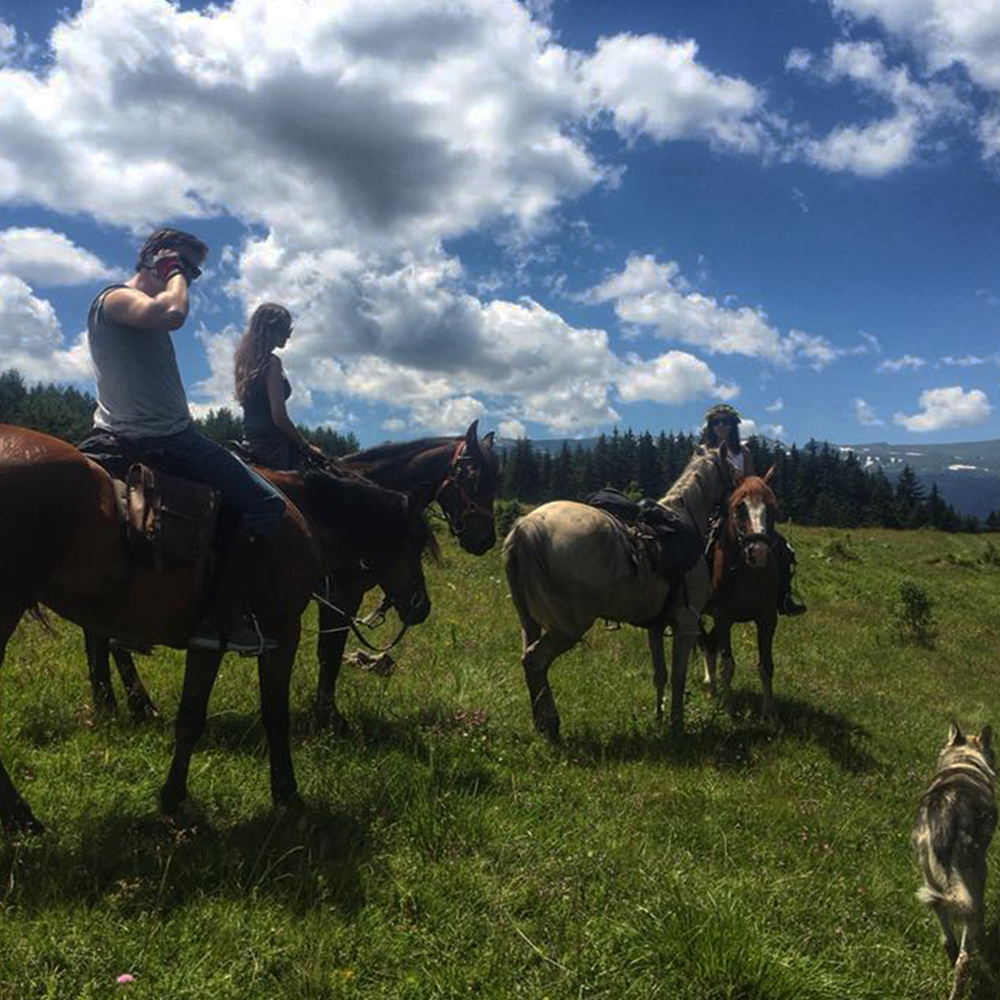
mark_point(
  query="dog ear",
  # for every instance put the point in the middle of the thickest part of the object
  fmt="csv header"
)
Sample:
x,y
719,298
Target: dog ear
x,y
986,737
955,737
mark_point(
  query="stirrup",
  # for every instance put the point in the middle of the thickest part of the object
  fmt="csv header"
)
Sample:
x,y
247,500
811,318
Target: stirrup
x,y
245,638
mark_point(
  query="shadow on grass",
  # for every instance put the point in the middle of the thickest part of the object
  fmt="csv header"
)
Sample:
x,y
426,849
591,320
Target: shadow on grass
x,y
303,859
729,740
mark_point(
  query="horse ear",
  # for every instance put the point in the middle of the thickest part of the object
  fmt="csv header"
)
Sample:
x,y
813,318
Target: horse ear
x,y
472,440
487,440
769,474
955,737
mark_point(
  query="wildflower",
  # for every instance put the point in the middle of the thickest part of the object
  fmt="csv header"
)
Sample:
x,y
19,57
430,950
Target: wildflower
x,y
125,977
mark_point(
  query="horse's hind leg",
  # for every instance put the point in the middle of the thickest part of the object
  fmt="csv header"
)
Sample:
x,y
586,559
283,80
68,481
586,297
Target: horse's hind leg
x,y
654,639
708,643
199,677
685,627
15,814
536,659
140,705
99,671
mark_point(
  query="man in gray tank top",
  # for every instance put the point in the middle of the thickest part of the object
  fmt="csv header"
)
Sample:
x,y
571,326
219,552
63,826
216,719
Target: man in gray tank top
x,y
141,399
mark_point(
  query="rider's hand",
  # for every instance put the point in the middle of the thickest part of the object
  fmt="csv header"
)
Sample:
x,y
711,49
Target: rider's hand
x,y
166,263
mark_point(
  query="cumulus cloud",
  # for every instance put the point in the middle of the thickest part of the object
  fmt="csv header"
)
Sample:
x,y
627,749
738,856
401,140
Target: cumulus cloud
x,y
674,377
776,407
907,362
945,408
885,145
965,361
31,338
45,258
865,415
648,293
651,85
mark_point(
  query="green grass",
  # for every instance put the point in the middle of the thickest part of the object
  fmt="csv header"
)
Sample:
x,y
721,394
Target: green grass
x,y
447,851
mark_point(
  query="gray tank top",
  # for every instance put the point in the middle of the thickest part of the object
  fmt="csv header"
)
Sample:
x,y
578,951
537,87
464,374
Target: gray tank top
x,y
139,388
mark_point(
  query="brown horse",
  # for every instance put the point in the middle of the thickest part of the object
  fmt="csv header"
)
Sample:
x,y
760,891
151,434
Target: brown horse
x,y
461,473
744,585
61,545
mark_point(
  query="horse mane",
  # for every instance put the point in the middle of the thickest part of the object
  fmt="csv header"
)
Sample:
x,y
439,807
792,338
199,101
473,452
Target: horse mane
x,y
395,450
691,488
375,516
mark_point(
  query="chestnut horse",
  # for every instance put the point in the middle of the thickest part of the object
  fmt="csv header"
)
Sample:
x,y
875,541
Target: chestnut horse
x,y
61,545
744,585
461,473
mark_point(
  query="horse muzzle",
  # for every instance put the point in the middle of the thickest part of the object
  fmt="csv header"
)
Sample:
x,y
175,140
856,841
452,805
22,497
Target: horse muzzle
x,y
416,610
756,548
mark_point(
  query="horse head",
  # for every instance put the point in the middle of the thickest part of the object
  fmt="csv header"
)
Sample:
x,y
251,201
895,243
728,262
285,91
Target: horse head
x,y
382,532
750,522
469,488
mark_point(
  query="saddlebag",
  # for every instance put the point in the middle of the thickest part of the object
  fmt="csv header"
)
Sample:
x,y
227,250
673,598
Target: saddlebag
x,y
169,521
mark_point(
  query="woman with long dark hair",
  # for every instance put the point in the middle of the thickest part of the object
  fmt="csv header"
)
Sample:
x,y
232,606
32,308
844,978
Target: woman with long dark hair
x,y
262,389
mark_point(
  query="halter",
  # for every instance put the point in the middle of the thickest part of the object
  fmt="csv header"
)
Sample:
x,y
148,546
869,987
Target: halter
x,y
467,506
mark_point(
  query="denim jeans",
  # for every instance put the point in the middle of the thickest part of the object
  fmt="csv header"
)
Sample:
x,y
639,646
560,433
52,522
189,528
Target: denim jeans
x,y
194,456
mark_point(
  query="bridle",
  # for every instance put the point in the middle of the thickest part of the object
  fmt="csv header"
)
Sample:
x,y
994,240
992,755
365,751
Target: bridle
x,y
745,540
460,465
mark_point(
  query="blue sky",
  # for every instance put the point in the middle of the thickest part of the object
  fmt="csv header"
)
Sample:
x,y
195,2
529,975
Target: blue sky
x,y
555,217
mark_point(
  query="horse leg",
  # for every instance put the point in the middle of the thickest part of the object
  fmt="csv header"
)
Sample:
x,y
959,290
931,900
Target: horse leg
x,y
140,705
274,672
709,647
15,814
536,659
99,670
654,638
200,672
330,645
727,666
765,637
685,624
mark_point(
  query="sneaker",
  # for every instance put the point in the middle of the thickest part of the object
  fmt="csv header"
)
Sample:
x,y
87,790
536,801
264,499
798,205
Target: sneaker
x,y
244,637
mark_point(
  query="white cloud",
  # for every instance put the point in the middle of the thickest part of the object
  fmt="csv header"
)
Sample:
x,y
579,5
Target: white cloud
x,y
511,429
966,361
776,407
775,431
648,293
31,338
865,415
947,407
908,362
672,378
44,258
654,86
880,147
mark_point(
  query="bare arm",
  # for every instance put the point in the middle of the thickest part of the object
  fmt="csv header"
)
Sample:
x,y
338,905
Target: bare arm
x,y
274,382
158,313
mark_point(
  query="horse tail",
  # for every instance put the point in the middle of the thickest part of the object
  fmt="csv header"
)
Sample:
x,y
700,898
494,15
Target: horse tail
x,y
524,564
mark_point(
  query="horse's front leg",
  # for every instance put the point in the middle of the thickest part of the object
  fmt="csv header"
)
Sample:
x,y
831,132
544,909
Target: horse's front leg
x,y
333,625
727,662
140,705
654,638
274,672
99,670
685,624
765,664
199,677
707,642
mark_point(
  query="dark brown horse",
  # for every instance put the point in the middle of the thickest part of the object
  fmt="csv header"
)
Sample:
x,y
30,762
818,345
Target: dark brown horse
x,y
744,585
61,545
461,473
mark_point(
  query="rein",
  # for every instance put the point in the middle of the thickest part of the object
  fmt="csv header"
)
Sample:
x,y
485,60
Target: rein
x,y
370,621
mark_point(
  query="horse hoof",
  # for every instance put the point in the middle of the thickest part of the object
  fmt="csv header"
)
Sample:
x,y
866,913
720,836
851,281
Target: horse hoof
x,y
22,820
143,711
171,801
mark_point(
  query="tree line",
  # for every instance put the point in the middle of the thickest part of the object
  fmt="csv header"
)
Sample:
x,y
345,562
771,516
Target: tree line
x,y
68,413
815,485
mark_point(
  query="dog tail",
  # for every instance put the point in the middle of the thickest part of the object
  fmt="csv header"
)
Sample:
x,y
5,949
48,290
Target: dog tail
x,y
955,898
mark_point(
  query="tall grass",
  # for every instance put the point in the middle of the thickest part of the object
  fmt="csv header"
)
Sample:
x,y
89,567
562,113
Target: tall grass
x,y
446,851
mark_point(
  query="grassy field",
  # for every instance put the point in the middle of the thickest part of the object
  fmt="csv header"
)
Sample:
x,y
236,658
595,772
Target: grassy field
x,y
447,851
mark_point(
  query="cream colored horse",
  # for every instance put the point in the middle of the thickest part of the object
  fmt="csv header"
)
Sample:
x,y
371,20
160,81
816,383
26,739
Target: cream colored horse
x,y
568,564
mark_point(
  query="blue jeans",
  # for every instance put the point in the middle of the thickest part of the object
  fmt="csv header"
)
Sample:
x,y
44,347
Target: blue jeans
x,y
196,457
